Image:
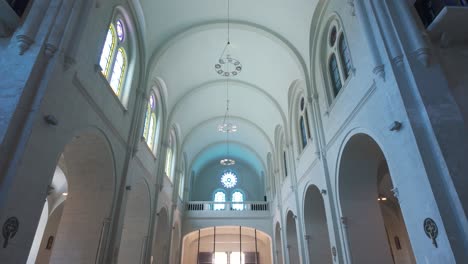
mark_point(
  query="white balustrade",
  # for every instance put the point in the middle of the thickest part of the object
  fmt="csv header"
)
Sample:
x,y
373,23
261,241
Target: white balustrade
x,y
226,206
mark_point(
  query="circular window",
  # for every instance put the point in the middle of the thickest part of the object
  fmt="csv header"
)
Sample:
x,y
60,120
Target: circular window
x,y
333,35
229,179
120,30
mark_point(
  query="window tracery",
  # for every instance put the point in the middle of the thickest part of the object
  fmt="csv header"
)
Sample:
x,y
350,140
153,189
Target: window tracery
x,y
338,59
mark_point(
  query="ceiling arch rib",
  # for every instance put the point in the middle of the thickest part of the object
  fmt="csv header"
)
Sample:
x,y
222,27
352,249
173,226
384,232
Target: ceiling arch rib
x,y
245,126
238,150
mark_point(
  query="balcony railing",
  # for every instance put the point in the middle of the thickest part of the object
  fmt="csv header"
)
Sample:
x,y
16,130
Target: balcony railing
x,y
428,10
226,206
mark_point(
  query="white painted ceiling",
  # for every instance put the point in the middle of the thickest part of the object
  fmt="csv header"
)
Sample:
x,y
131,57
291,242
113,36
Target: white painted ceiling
x,y
183,39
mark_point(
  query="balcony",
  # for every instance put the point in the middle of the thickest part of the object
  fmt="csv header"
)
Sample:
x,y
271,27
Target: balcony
x,y
201,214
226,206
445,20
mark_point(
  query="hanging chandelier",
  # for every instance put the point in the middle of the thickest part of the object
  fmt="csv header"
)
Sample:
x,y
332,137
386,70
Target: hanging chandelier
x,y
227,67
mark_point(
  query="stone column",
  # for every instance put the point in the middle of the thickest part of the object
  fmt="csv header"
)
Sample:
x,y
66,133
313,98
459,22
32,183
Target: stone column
x,y
364,21
58,28
28,31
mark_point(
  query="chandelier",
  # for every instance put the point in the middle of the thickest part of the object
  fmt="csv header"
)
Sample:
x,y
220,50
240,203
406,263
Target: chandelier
x,y
227,67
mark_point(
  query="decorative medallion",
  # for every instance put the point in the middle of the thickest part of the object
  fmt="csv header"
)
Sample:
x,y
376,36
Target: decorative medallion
x,y
229,179
10,227
431,230
228,66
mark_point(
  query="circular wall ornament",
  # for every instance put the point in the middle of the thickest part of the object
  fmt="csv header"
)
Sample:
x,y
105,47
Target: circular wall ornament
x,y
431,230
229,179
228,66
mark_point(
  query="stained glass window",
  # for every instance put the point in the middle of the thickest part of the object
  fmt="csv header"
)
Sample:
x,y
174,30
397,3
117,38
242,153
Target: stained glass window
x,y
219,197
113,61
345,57
229,179
335,75
149,132
120,30
237,200
303,132
107,51
118,71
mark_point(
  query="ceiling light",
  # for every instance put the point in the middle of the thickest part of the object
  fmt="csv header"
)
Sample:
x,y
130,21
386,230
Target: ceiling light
x,y
227,128
64,194
227,162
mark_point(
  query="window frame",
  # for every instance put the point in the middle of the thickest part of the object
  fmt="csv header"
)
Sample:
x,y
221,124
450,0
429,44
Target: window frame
x,y
332,50
118,47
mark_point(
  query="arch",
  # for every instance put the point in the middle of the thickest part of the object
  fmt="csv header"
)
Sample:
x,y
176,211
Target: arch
x,y
292,238
364,185
136,222
161,237
80,202
279,244
224,240
194,28
215,84
315,221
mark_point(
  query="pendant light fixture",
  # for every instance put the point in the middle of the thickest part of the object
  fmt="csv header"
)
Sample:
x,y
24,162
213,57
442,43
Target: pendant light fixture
x,y
227,67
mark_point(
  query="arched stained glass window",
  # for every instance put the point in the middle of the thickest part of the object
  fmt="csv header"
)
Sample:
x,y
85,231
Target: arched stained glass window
x,y
219,199
170,157
335,75
338,59
304,129
114,61
149,132
118,72
237,200
345,57
108,51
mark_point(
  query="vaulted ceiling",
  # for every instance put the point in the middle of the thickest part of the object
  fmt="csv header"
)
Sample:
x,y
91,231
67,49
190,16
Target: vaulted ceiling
x,y
184,39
